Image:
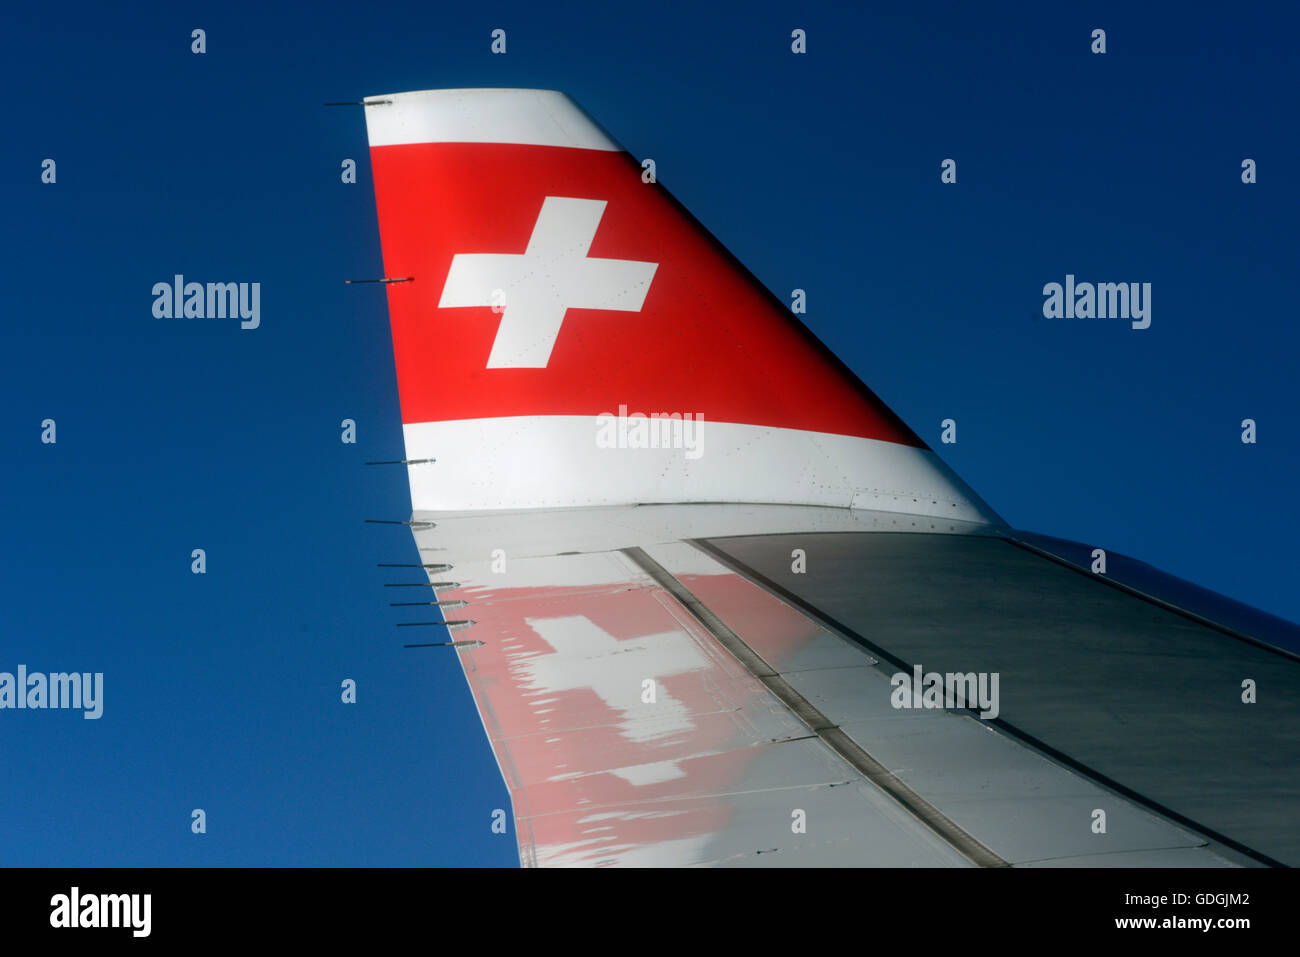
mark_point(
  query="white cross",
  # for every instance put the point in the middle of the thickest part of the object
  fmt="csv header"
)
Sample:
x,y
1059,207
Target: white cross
x,y
586,656
553,274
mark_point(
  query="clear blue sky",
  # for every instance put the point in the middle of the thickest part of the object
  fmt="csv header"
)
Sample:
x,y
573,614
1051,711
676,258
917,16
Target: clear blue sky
x,y
818,171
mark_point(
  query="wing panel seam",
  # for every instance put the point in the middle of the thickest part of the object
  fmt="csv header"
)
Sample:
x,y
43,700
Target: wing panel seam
x,y
830,734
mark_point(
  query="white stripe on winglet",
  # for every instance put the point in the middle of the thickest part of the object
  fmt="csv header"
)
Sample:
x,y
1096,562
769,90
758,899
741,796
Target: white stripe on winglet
x,y
554,461
528,117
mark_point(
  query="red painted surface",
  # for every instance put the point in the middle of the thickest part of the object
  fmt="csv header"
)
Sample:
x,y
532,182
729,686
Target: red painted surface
x,y
709,338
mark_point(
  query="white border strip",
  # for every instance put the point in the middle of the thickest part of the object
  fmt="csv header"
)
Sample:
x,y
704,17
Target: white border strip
x,y
554,461
528,117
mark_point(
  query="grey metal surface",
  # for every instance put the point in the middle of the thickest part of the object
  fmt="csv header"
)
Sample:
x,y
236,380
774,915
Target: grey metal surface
x,y
818,722
1023,807
1140,698
626,734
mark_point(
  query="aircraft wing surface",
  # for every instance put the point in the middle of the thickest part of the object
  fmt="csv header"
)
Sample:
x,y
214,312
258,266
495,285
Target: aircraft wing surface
x,y
716,604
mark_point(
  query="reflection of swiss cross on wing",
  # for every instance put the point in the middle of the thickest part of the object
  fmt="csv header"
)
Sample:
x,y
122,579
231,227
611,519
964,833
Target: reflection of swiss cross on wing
x,y
553,275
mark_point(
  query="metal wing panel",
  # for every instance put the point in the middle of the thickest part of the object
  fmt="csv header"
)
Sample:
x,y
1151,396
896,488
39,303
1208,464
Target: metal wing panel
x,y
1138,697
626,734
767,709
1010,798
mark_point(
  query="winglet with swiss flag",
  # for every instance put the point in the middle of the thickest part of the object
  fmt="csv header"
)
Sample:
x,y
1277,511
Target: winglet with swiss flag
x,y
571,336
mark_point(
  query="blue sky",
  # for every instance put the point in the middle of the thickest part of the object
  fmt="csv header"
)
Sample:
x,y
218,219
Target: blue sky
x,y
818,171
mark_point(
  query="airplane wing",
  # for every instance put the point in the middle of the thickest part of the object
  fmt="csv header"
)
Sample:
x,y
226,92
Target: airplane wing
x,y
717,604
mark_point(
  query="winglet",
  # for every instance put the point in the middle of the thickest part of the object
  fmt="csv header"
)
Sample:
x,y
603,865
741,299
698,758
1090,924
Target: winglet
x,y
573,337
